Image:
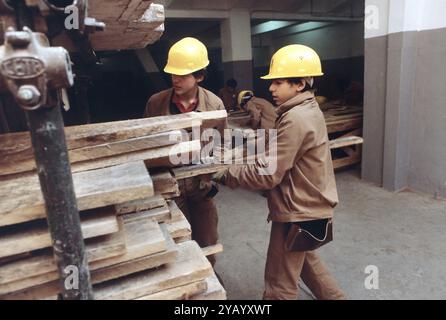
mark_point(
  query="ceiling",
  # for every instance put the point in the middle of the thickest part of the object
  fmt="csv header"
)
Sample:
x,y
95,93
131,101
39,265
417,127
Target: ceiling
x,y
353,8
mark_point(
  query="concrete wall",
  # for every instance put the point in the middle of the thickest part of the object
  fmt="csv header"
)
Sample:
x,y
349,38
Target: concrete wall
x,y
428,121
404,113
335,40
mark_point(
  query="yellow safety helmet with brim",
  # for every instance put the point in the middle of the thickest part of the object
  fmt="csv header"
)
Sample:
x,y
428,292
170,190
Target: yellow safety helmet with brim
x,y
294,61
186,56
242,94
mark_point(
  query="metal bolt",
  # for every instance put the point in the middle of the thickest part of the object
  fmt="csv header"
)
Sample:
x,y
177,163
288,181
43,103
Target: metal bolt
x,y
25,95
28,95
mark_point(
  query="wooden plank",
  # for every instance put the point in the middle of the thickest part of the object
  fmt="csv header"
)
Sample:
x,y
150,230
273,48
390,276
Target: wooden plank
x,y
356,132
35,235
147,247
41,268
215,290
164,182
21,199
130,8
108,149
179,229
153,157
160,214
183,239
343,116
183,153
41,262
179,293
197,170
345,142
213,119
107,273
147,262
143,238
347,161
210,250
175,213
140,205
114,268
125,146
343,125
190,266
171,195
16,147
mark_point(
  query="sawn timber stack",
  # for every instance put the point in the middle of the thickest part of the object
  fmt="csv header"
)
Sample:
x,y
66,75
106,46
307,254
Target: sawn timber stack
x,y
138,242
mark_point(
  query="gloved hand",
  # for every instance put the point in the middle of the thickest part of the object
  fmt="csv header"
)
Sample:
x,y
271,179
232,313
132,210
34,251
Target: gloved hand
x,y
220,176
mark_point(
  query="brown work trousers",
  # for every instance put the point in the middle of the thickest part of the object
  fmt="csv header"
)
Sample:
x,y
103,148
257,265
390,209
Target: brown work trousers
x,y
284,268
200,211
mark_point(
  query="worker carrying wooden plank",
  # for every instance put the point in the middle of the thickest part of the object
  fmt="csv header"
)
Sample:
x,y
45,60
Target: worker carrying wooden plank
x,y
302,190
262,112
187,61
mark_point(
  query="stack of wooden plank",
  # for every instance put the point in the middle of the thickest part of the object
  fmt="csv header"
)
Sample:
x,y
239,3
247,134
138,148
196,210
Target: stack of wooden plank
x,y
138,242
344,126
95,146
130,24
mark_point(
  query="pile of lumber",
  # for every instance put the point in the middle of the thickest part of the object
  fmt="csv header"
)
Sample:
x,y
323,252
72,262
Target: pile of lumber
x,y
138,242
130,24
341,118
344,126
95,146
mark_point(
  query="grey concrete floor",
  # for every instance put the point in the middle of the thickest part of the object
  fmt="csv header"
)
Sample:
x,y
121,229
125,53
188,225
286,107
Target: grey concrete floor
x,y
402,234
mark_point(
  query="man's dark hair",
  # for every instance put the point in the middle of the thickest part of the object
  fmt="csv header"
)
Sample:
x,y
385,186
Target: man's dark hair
x,y
200,73
297,81
231,83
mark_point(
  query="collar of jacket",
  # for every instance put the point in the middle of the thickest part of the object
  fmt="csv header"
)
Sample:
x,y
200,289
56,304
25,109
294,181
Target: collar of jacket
x,y
201,106
293,102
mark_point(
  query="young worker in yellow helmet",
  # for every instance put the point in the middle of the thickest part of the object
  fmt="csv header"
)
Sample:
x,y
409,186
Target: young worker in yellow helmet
x,y
187,61
302,191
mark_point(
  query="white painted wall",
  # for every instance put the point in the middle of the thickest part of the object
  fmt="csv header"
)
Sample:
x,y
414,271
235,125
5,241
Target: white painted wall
x,y
385,17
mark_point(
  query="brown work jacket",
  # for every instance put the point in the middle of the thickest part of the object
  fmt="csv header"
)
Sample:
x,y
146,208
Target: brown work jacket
x,y
263,115
159,104
303,187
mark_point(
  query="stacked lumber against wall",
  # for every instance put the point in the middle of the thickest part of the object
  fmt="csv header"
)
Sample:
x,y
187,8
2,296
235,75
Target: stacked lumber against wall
x,y
138,242
344,126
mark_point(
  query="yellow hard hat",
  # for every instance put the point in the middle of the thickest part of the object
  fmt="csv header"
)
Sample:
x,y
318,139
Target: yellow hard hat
x,y
186,56
294,61
242,94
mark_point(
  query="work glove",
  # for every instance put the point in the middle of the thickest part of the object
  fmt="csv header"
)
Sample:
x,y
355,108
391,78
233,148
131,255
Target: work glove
x,y
220,176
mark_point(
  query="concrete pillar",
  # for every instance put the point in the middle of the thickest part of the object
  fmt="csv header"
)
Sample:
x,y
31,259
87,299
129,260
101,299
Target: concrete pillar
x,y
401,71
375,82
236,48
390,68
